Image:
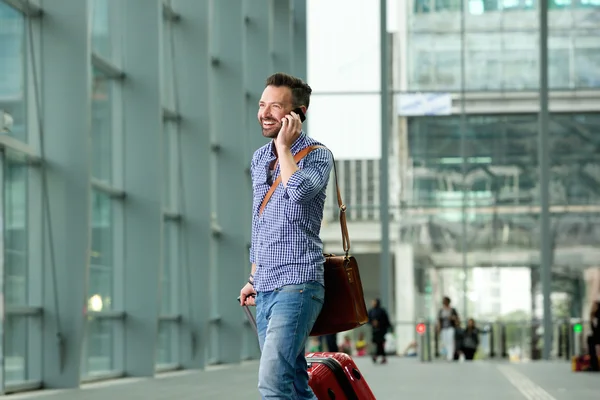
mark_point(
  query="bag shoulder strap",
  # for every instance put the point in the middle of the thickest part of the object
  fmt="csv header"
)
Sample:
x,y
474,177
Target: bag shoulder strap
x,y
299,156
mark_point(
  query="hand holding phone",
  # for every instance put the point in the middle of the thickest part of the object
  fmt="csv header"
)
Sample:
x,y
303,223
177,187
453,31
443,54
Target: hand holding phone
x,y
291,127
300,113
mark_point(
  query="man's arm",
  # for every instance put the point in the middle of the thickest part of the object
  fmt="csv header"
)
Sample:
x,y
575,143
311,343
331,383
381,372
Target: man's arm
x,y
302,185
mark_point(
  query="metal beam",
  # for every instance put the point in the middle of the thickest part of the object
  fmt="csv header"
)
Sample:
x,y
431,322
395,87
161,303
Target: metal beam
x,y
26,7
256,68
544,159
228,177
384,211
143,182
191,64
65,91
463,155
280,39
299,39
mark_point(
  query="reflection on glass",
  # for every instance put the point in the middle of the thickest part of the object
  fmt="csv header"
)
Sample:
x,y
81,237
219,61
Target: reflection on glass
x,y
101,262
100,346
101,35
167,351
15,250
102,128
15,349
12,71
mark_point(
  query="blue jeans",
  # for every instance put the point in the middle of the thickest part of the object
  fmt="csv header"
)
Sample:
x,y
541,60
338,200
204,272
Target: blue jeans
x,y
285,317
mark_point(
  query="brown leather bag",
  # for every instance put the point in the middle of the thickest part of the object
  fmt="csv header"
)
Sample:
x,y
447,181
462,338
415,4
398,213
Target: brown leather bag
x,y
344,306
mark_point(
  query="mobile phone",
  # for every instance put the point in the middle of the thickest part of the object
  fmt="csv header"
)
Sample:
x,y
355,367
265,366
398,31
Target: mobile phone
x,y
300,113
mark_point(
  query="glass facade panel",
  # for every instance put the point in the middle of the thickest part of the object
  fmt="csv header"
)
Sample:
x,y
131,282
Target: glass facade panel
x,y
171,165
101,279
13,78
100,346
170,270
16,234
168,338
102,132
501,45
16,348
101,28
501,156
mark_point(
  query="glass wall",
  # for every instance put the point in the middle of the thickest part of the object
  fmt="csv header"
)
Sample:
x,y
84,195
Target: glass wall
x,y
500,44
20,192
174,254
100,150
104,340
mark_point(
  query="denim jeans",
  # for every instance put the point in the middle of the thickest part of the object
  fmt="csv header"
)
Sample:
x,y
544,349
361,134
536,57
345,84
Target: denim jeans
x,y
285,317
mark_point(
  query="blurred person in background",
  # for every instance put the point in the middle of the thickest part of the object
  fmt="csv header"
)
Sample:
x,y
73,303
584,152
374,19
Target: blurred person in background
x,y
447,322
380,323
470,340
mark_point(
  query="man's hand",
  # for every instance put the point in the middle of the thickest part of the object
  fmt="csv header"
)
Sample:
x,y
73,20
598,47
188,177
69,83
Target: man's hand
x,y
291,126
247,295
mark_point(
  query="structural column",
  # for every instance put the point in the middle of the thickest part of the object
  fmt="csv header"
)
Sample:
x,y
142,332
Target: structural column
x,y
228,178
256,69
405,295
299,38
191,67
66,96
142,182
281,48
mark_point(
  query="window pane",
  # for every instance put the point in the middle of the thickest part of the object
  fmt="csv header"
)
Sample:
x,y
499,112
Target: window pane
x,y
101,263
15,341
16,260
101,34
170,166
12,70
167,349
100,346
102,128
168,81
170,271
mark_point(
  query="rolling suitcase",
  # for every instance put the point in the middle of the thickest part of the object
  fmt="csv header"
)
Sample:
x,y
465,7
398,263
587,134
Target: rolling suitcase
x,y
335,376
331,376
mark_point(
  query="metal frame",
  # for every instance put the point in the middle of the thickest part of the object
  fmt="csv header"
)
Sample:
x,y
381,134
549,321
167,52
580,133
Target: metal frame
x,y
29,9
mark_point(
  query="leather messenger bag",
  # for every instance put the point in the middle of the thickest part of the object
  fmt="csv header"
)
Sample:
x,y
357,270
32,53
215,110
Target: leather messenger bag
x,y
344,306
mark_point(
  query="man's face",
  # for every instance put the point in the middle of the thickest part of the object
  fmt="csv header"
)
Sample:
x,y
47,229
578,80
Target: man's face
x,y
275,103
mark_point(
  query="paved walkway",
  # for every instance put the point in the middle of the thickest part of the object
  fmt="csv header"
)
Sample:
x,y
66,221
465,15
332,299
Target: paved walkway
x,y
400,379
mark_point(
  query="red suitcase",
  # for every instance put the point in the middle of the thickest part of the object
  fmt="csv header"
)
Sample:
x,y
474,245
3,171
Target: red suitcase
x,y
332,376
336,376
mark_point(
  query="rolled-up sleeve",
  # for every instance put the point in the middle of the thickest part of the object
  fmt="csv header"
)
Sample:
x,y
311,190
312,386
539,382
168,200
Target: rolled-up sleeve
x,y
305,183
253,232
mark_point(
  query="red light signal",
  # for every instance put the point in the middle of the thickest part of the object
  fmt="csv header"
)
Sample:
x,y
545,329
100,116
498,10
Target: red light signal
x,y
421,328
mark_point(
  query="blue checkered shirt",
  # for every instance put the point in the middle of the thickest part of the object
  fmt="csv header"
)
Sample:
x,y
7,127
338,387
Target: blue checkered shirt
x,y
286,247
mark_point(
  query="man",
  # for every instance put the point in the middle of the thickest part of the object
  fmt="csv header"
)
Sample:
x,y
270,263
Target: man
x,y
380,323
447,322
286,282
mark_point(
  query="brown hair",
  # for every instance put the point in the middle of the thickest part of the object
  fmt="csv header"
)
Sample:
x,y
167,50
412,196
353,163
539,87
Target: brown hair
x,y
300,90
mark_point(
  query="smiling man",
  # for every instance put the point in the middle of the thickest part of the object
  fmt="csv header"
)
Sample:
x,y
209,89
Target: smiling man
x,y
286,282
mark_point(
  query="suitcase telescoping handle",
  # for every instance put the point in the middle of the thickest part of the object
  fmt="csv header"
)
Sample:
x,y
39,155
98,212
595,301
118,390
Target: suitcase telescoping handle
x,y
249,315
